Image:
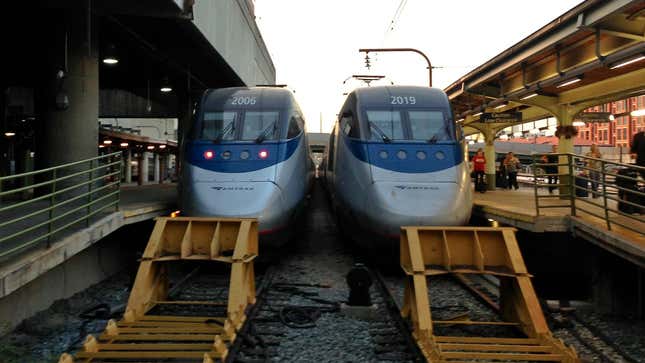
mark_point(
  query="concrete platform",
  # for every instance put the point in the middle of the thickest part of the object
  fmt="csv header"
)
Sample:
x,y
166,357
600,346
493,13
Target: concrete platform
x,y
517,208
137,204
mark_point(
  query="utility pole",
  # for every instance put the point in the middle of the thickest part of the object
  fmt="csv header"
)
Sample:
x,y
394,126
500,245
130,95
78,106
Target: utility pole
x,y
368,50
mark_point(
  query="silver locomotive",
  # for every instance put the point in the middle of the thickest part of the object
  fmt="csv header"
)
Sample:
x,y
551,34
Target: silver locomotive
x,y
396,157
246,156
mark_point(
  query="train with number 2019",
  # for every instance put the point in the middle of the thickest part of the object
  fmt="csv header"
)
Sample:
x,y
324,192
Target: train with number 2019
x,y
246,156
396,157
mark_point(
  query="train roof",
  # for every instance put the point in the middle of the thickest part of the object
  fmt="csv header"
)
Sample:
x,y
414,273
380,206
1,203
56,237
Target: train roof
x,y
381,95
263,96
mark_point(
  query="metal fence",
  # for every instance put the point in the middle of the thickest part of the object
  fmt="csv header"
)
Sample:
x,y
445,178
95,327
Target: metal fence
x,y
38,206
608,190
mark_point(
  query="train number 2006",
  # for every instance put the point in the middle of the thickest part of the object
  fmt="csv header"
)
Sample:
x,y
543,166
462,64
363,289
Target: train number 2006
x,y
245,100
403,100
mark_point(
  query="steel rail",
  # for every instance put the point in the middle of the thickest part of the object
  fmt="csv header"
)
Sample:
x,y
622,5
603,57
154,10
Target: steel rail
x,y
57,179
580,167
65,202
39,171
61,191
56,218
96,170
395,313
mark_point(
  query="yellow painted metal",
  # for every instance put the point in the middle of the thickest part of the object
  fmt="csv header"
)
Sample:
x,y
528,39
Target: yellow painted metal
x,y
142,336
429,251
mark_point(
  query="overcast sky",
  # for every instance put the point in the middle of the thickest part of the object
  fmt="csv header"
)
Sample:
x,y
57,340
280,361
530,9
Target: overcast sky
x,y
314,44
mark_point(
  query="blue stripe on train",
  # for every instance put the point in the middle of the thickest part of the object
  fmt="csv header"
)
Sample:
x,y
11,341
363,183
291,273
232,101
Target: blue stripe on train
x,y
279,151
369,152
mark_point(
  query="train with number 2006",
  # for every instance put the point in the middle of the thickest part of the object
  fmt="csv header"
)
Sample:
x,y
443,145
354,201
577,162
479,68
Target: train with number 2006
x,y
246,156
396,157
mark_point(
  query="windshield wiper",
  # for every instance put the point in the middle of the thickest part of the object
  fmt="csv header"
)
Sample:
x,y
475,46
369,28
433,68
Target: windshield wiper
x,y
230,127
265,133
435,137
379,131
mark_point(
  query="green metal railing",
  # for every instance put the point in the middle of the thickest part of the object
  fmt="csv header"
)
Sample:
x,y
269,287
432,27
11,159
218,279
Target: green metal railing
x,y
61,197
603,189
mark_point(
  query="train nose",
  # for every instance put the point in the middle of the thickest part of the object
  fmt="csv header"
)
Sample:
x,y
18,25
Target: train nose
x,y
390,205
262,200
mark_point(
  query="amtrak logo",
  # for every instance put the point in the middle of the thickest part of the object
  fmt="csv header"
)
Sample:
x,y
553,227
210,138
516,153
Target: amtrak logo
x,y
407,187
233,188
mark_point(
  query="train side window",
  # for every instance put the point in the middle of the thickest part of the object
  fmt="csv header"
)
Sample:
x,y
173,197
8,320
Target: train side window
x,y
294,128
349,126
459,131
330,155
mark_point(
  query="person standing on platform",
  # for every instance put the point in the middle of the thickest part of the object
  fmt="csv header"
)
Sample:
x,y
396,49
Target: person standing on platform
x,y
512,164
638,150
501,178
551,170
594,168
479,168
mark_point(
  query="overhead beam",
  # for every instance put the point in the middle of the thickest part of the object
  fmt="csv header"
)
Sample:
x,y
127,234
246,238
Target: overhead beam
x,y
636,37
570,59
486,90
609,88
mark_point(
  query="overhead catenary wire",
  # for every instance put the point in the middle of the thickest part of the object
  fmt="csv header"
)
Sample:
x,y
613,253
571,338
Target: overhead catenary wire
x,y
395,18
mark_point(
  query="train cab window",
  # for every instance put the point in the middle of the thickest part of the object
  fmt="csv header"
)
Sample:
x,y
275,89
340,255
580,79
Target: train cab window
x,y
217,125
260,123
294,128
387,123
428,125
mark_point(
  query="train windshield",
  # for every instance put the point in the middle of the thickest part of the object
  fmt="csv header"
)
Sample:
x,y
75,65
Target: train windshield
x,y
260,124
426,125
386,122
238,126
218,125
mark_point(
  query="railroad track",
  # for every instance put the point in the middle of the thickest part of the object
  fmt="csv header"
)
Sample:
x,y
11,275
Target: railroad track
x,y
592,344
275,313
392,335
215,313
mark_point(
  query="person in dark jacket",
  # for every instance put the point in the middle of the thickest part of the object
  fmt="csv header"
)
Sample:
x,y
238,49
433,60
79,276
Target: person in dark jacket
x,y
551,170
638,150
512,165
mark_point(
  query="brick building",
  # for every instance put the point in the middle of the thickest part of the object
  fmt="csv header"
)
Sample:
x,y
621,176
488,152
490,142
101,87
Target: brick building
x,y
618,132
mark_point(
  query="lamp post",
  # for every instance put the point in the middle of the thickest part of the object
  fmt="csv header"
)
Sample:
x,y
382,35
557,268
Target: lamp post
x,y
368,50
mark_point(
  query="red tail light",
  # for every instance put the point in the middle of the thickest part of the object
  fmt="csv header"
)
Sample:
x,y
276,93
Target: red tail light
x,y
263,154
209,154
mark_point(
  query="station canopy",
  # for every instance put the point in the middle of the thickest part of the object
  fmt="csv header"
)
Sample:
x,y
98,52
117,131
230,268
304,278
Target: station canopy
x,y
592,54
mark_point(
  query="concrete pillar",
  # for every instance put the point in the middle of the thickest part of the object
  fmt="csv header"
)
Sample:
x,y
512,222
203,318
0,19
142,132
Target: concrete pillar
x,y
70,134
143,168
565,145
162,168
141,176
156,173
489,154
128,166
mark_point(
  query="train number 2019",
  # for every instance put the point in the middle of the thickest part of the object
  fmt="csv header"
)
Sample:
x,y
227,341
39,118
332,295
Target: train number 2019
x,y
403,100
245,100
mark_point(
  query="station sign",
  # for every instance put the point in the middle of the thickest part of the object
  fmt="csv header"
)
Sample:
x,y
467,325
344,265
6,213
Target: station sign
x,y
593,117
501,117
